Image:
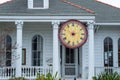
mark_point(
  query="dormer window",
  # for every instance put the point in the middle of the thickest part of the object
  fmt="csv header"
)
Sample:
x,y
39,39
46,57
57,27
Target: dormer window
x,y
38,4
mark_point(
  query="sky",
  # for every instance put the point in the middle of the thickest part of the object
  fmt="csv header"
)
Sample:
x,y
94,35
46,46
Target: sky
x,y
115,3
4,1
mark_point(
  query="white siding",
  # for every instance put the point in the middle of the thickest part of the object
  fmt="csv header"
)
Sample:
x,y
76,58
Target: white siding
x,y
43,29
106,31
29,30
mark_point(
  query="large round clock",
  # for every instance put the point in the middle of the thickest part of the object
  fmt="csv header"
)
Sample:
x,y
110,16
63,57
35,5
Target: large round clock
x,y
73,34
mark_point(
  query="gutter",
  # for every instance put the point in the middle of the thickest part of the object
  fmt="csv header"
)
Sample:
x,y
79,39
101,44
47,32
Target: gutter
x,y
112,24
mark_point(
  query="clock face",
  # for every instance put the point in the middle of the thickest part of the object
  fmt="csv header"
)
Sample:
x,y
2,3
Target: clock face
x,y
73,34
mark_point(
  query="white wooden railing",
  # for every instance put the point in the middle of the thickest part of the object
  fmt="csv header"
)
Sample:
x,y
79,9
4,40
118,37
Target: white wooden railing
x,y
7,72
32,71
29,72
99,70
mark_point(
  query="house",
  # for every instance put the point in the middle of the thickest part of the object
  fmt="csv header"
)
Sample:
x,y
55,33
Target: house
x,y
38,49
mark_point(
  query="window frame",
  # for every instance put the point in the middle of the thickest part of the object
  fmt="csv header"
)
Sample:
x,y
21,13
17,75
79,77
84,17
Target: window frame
x,y
9,50
31,5
118,52
109,53
40,57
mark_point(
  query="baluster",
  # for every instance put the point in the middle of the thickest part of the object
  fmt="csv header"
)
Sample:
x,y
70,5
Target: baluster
x,y
29,71
5,72
22,71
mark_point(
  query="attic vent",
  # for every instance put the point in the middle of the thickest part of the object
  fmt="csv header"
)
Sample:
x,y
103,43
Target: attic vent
x,y
38,4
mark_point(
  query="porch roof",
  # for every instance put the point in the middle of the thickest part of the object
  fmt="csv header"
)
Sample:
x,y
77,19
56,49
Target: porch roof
x,y
103,13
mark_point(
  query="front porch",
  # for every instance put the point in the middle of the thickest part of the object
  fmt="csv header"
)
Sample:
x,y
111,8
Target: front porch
x,y
43,33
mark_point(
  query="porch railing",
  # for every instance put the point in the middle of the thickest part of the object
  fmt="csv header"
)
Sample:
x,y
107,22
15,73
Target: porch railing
x,y
32,71
7,72
29,72
99,70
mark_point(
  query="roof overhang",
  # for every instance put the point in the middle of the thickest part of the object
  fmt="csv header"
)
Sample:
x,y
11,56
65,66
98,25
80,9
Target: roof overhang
x,y
46,18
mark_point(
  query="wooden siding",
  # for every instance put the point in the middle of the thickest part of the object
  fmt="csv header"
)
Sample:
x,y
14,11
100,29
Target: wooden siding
x,y
100,35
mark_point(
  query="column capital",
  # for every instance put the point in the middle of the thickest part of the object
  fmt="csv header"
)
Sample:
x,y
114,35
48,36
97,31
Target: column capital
x,y
90,24
19,23
55,24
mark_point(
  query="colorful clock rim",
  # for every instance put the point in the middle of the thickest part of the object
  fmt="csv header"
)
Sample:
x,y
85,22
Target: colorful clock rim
x,y
64,43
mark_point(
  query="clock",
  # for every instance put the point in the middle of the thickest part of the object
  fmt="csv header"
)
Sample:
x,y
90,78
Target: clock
x,y
73,34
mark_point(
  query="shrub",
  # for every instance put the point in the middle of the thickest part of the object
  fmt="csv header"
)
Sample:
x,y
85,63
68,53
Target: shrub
x,y
107,76
17,78
49,76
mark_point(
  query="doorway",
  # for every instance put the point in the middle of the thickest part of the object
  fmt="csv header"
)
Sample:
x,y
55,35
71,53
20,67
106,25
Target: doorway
x,y
71,62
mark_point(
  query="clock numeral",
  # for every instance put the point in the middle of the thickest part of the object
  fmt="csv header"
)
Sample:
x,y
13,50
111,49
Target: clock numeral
x,y
73,24
68,26
82,38
68,42
81,29
64,29
82,33
63,34
73,43
64,38
77,41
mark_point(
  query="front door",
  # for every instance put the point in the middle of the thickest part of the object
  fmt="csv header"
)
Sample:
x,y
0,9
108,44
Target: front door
x,y
70,62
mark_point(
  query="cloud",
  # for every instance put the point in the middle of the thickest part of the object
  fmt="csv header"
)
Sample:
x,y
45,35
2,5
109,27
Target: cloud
x,y
114,3
4,1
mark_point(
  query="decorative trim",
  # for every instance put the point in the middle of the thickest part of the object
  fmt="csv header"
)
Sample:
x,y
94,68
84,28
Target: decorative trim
x,y
78,6
55,24
91,24
46,18
19,24
96,28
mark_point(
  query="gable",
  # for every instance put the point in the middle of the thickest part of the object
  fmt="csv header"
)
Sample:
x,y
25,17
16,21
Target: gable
x,y
103,13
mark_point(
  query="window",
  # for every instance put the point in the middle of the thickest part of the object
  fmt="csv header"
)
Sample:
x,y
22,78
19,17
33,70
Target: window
x,y
8,43
38,4
108,52
119,52
37,50
70,55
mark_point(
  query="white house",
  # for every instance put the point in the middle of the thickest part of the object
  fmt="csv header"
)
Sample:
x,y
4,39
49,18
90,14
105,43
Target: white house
x,y
36,26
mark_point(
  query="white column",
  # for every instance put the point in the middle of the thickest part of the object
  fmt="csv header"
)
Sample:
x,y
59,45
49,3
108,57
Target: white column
x,y
56,55
19,25
91,50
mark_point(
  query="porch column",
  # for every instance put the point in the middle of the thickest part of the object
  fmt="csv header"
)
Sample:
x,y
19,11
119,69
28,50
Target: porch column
x,y
56,55
91,50
19,25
